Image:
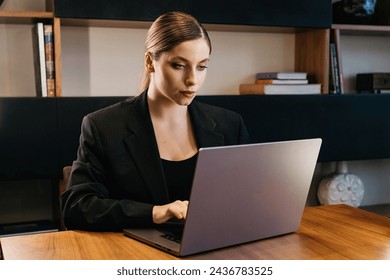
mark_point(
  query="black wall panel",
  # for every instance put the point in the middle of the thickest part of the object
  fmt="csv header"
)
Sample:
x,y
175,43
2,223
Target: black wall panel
x,y
28,138
38,136
71,111
352,126
295,13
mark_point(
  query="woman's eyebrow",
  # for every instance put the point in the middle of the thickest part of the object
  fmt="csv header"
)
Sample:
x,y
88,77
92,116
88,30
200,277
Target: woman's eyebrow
x,y
186,60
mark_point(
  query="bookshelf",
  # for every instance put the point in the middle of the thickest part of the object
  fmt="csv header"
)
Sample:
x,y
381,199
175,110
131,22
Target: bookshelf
x,y
369,43
261,47
366,48
311,44
25,20
308,57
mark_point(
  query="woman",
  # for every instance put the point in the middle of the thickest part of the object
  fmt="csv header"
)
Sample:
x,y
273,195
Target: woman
x,y
136,159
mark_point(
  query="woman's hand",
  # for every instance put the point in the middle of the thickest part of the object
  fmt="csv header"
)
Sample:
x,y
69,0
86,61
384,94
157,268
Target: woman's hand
x,y
176,209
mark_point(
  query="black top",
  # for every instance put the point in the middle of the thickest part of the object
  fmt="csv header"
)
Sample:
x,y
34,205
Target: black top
x,y
178,177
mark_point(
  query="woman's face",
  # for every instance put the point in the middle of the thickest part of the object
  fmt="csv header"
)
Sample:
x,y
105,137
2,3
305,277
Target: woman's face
x,y
179,73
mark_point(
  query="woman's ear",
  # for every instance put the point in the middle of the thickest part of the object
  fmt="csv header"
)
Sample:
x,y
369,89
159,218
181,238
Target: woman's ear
x,y
149,63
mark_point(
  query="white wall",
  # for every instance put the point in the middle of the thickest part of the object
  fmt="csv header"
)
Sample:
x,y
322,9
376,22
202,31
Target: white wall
x,y
363,54
16,61
108,61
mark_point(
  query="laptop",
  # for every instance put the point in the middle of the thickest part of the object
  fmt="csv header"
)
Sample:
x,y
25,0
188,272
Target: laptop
x,y
240,194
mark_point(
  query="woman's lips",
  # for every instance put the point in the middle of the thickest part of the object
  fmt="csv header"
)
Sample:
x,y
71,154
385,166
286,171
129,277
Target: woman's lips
x,y
187,92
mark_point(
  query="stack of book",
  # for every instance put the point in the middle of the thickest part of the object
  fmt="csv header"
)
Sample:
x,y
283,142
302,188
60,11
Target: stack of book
x,y
44,59
280,83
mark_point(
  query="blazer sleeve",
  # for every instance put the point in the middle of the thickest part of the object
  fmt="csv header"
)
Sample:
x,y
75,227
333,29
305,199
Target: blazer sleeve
x,y
86,204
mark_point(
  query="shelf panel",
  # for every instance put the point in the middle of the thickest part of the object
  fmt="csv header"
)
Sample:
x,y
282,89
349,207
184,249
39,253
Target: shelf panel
x,y
307,13
354,29
146,24
23,17
105,23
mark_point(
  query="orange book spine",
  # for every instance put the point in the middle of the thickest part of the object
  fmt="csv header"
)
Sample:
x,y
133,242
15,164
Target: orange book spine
x,y
251,89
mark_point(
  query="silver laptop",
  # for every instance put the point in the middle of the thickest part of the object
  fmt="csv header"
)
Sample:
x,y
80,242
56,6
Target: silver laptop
x,y
240,194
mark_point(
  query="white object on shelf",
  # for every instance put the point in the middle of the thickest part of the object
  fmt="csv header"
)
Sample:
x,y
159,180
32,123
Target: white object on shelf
x,y
341,188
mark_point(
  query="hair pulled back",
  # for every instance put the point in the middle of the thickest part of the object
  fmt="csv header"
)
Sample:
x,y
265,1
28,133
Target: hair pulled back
x,y
168,31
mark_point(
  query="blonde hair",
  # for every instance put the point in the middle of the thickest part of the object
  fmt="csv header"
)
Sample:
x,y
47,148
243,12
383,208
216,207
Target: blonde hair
x,y
166,32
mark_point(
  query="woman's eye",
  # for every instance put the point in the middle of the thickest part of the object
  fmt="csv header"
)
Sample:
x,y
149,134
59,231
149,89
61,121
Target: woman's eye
x,y
202,67
178,65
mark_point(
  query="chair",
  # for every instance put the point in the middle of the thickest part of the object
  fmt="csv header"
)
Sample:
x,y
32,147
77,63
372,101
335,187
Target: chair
x,y
62,187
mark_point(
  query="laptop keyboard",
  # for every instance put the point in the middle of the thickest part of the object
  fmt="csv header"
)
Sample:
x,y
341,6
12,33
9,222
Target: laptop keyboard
x,y
173,232
172,236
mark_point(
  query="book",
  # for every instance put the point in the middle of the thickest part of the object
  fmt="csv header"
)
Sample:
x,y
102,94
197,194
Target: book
x,y
281,82
331,84
49,59
279,89
335,86
39,60
281,75
335,39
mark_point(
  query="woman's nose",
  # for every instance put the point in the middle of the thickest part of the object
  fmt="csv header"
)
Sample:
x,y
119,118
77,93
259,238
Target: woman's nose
x,y
190,78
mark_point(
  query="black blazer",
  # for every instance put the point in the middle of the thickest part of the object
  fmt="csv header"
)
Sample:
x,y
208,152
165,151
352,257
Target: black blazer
x,y
118,177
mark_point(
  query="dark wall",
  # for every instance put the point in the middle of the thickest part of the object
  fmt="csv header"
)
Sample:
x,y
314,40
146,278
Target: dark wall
x,y
353,127
295,13
70,114
39,136
28,138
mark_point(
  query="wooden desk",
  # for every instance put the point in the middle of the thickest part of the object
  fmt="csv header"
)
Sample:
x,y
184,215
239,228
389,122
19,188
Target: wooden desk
x,y
327,232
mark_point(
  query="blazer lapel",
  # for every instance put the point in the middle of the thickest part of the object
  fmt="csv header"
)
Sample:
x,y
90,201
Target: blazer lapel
x,y
142,145
204,127
143,148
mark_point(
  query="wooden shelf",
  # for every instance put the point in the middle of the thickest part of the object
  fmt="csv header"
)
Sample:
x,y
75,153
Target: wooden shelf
x,y
354,29
105,23
23,14
21,17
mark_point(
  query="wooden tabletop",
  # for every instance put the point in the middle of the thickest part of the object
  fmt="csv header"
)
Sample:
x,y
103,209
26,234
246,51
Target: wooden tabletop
x,y
326,232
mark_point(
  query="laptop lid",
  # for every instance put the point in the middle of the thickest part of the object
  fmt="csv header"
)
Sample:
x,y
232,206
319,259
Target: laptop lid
x,y
244,193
